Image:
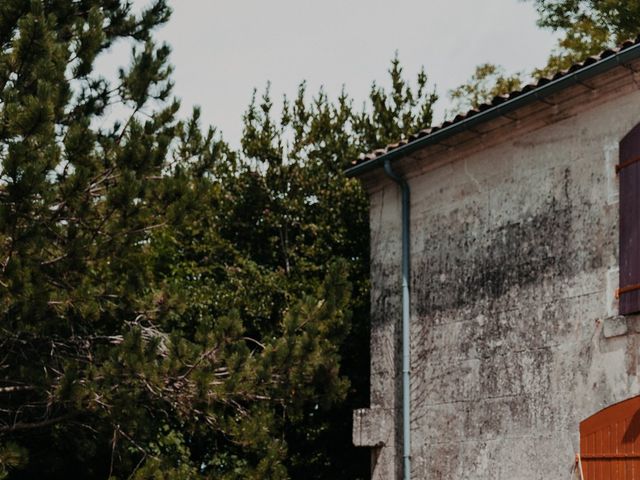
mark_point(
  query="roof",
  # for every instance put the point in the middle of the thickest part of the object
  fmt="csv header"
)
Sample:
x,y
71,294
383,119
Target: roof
x,y
501,105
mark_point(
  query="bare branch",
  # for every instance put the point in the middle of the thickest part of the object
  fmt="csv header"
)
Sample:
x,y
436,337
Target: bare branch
x,y
34,425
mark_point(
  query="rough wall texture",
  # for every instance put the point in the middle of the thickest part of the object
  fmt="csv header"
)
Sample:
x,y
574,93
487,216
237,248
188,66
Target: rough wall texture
x,y
514,333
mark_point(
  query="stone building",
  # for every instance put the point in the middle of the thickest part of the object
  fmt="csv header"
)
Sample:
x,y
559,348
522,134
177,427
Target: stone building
x,y
523,226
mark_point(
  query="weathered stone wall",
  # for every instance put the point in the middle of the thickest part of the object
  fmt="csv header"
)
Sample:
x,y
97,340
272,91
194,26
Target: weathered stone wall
x,y
514,334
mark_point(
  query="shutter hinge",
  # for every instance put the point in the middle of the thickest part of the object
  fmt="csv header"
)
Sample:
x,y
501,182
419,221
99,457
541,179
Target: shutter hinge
x,y
627,289
622,165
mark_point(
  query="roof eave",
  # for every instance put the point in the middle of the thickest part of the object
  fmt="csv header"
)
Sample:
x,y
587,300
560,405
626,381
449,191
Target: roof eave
x,y
620,58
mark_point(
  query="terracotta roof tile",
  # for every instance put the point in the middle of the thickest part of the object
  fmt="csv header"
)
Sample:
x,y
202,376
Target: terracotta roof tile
x,y
498,100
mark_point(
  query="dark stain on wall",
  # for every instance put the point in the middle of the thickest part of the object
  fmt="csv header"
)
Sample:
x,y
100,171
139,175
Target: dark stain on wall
x,y
466,264
460,268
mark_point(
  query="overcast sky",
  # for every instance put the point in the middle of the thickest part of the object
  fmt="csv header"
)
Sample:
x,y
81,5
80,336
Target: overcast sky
x,y
222,49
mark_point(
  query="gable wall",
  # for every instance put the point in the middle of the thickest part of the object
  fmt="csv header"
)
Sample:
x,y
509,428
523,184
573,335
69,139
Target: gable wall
x,y
514,334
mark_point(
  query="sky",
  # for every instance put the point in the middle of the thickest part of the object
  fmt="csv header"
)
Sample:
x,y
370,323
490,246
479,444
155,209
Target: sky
x,y
223,49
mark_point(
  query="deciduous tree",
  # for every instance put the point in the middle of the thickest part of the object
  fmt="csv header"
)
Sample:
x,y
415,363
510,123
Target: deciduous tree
x,y
487,82
587,27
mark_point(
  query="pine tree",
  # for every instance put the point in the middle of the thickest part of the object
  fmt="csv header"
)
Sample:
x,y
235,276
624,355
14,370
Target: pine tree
x,y
74,216
125,353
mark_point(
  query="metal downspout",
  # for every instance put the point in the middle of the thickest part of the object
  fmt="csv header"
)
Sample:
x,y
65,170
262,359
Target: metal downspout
x,y
406,334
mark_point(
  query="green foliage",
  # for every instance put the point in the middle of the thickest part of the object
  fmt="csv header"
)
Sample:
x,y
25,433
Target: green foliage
x,y
587,26
395,114
288,210
171,308
487,82
12,456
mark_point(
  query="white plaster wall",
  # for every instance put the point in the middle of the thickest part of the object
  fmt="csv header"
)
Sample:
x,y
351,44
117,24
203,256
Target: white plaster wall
x,y
514,257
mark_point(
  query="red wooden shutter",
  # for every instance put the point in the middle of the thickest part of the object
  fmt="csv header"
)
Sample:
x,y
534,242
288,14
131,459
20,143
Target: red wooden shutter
x,y
610,442
629,172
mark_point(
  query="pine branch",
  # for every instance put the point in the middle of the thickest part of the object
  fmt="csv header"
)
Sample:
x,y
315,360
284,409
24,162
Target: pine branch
x,y
19,426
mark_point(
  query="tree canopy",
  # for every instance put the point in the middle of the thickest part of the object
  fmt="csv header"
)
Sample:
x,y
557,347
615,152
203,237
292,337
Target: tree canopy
x,y
487,81
169,307
586,27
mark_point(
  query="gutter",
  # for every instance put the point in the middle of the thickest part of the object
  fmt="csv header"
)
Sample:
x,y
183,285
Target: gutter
x,y
406,324
577,77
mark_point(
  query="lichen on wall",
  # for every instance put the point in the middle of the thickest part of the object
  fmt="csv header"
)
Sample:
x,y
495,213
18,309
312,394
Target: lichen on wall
x,y
512,249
